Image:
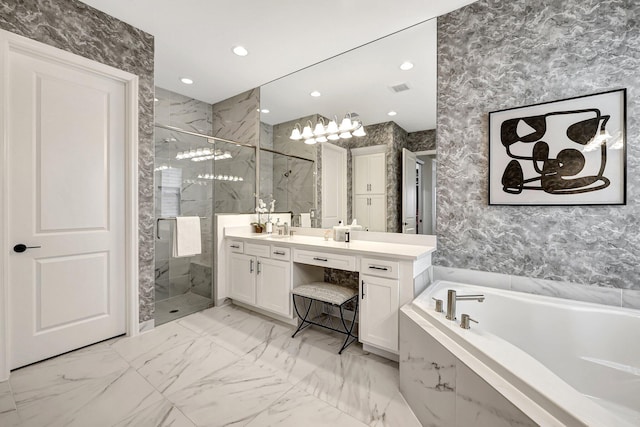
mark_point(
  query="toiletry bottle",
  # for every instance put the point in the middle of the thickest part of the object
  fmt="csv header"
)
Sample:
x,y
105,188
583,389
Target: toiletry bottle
x,y
269,226
347,236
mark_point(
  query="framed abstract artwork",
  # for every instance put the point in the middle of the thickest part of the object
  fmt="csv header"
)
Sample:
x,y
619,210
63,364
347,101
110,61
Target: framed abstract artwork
x,y
568,152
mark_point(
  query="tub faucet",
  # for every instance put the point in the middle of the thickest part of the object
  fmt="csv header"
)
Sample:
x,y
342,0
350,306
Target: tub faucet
x,y
451,302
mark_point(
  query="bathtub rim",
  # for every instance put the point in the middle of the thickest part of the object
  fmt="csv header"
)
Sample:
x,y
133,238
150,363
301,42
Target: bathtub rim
x,y
544,408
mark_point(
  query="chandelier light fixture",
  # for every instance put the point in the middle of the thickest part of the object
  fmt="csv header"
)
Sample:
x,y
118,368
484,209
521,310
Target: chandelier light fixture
x,y
323,132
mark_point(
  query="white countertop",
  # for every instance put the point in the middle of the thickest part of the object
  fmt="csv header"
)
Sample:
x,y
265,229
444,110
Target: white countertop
x,y
354,247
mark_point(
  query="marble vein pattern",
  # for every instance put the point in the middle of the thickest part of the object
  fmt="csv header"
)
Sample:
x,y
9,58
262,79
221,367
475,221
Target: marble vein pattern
x,y
189,373
80,29
238,118
6,398
540,51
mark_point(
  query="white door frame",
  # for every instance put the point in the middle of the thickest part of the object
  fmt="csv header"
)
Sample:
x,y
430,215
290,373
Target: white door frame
x,y
13,42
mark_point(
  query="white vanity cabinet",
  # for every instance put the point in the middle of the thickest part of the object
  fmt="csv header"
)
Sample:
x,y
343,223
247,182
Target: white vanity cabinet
x,y
379,303
273,286
370,187
260,281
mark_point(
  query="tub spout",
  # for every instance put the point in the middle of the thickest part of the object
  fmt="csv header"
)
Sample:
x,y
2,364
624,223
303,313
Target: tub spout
x,y
451,302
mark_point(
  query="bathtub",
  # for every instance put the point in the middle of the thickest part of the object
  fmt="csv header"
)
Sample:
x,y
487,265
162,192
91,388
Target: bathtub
x,y
560,362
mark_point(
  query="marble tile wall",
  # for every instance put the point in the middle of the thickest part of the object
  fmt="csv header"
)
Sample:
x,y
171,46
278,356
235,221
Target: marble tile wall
x,y
238,118
423,140
266,160
80,29
442,391
500,54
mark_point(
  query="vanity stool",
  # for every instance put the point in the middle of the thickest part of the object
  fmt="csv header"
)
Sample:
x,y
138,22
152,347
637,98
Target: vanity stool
x,y
328,293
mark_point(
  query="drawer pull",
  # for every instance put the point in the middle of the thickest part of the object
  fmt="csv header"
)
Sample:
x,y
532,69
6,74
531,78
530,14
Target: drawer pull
x,y
375,267
362,292
320,259
278,253
235,246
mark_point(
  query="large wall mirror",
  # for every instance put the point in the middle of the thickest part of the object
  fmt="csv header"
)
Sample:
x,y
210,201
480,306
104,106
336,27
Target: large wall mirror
x,y
384,178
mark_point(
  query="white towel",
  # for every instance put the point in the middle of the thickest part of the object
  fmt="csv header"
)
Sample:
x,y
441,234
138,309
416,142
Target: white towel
x,y
305,220
186,236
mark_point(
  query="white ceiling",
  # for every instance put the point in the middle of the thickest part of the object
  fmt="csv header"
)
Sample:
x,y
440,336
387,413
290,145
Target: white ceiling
x,y
194,38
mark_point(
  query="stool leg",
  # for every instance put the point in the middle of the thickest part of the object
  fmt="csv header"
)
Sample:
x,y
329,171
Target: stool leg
x,y
347,330
301,326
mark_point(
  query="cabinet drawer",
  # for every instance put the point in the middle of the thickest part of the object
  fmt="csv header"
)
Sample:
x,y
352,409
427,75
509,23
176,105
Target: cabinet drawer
x,y
236,246
257,250
324,259
279,252
380,268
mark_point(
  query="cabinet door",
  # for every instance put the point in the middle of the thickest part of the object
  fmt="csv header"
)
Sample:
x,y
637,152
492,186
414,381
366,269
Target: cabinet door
x,y
360,174
361,210
377,212
274,286
242,277
377,173
379,312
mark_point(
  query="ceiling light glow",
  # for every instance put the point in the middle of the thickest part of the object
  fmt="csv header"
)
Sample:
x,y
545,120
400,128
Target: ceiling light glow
x,y
315,94
186,80
405,66
391,113
240,51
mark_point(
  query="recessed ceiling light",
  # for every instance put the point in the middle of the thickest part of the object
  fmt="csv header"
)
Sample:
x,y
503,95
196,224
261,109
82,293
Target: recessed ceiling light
x,y
406,66
240,51
186,80
391,113
264,110
315,94
155,100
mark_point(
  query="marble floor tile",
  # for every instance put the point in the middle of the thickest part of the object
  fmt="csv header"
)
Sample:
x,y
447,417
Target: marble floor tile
x,y
361,386
235,328
298,408
176,368
66,373
10,419
101,402
295,358
137,350
397,413
161,414
6,398
230,396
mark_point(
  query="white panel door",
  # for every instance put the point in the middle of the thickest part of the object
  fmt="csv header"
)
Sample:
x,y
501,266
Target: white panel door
x,y
377,173
273,286
66,151
377,212
242,277
379,303
361,210
360,174
334,185
409,196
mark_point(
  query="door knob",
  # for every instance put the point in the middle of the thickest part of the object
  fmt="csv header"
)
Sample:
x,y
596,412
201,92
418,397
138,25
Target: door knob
x,y
22,247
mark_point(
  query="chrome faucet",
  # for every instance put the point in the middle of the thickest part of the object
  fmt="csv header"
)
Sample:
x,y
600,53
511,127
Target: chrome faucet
x,y
451,302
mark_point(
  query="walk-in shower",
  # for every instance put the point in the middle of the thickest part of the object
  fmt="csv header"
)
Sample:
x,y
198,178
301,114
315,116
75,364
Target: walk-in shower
x,y
195,175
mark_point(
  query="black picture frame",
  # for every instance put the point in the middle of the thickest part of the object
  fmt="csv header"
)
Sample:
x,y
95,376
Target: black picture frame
x,y
560,153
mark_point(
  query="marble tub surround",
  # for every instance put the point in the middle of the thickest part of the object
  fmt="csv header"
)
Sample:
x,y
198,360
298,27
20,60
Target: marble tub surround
x,y
197,372
80,29
552,288
550,358
494,55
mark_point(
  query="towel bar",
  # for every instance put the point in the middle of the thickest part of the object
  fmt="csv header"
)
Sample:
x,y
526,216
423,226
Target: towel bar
x,y
167,218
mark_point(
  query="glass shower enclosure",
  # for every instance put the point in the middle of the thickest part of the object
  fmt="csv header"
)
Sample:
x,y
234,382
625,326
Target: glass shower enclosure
x,y
195,175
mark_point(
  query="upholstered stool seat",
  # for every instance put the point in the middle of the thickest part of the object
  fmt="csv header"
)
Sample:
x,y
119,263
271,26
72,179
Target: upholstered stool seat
x,y
327,293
